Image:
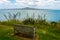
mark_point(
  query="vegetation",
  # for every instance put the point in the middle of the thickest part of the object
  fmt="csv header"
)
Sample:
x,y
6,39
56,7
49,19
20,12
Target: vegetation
x,y
46,30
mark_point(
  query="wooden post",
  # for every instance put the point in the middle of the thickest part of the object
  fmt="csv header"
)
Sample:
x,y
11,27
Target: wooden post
x,y
34,34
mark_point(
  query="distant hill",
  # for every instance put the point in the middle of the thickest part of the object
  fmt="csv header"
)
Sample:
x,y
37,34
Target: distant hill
x,y
27,8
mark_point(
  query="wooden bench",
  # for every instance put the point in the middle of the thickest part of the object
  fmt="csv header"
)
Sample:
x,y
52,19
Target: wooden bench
x,y
24,31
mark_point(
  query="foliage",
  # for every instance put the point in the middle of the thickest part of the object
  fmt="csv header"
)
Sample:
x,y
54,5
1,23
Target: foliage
x,y
46,30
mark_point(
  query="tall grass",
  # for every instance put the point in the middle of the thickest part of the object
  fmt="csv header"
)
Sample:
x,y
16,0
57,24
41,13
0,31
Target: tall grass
x,y
40,22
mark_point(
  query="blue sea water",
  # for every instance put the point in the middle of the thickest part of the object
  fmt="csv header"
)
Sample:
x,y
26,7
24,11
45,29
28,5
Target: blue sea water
x,y
51,15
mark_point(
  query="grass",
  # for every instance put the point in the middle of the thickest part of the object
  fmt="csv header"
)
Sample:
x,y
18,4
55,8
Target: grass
x,y
47,34
5,33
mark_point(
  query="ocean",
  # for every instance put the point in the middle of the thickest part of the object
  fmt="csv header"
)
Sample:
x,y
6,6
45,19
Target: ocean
x,y
51,15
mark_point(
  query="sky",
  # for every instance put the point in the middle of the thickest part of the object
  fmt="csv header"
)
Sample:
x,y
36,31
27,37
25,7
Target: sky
x,y
42,4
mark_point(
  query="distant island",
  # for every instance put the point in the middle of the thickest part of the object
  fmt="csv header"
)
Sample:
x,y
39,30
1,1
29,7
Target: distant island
x,y
26,8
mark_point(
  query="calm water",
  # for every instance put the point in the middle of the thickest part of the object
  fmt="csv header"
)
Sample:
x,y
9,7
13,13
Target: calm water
x,y
51,15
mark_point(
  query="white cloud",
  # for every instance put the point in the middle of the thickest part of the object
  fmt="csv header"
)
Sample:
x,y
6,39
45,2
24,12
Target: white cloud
x,y
4,1
49,4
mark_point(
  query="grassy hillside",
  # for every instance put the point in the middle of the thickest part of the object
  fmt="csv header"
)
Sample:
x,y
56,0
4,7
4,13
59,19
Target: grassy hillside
x,y
44,34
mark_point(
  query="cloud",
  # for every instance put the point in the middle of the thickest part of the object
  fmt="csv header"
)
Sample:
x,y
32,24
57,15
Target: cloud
x,y
4,1
47,4
6,4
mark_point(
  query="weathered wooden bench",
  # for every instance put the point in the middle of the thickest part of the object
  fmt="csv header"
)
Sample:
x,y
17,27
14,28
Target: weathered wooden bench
x,y
24,30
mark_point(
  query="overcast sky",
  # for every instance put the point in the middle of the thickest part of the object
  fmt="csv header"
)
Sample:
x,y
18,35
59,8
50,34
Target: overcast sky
x,y
44,4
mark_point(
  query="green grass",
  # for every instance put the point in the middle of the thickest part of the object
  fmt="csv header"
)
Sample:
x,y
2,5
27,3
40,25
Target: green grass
x,y
44,34
5,33
48,35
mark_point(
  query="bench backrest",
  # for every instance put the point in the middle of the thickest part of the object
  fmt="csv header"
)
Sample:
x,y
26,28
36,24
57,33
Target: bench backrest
x,y
24,29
